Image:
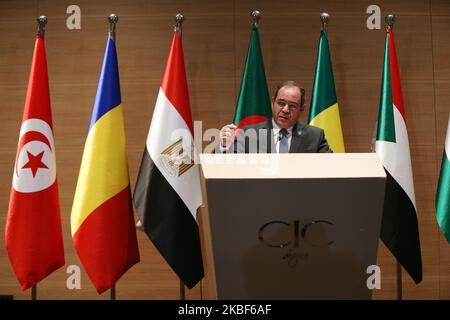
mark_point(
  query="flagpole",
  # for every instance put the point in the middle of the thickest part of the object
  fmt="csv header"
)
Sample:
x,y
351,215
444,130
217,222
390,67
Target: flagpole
x,y
179,19
112,19
182,291
325,17
390,19
178,28
399,282
256,15
34,292
42,21
113,292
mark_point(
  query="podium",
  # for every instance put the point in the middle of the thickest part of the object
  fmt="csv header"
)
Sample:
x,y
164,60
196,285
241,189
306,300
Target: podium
x,y
290,226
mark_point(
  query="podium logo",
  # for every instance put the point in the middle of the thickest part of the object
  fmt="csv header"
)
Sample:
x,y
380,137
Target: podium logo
x,y
292,236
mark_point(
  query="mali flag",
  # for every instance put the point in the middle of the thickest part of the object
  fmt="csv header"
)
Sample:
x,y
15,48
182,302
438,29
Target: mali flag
x,y
102,222
324,111
253,104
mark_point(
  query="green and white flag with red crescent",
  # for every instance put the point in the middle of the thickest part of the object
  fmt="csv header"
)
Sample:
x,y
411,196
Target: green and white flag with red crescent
x,y
253,105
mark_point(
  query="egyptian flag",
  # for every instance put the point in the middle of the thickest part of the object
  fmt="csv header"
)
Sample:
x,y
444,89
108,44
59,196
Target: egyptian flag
x,y
167,192
103,228
33,227
399,229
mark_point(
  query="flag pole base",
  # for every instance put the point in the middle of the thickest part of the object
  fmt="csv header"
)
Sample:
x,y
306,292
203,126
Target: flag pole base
x,y
399,282
34,292
113,292
182,291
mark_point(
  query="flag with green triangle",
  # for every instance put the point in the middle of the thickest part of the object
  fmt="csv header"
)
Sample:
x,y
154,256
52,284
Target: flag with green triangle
x,y
253,105
399,225
443,191
324,110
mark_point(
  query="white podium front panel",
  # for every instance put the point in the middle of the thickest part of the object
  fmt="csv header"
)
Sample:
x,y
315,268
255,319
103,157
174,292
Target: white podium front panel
x,y
299,226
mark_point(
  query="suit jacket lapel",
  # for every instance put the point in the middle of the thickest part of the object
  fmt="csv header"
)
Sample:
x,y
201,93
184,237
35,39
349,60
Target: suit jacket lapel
x,y
296,145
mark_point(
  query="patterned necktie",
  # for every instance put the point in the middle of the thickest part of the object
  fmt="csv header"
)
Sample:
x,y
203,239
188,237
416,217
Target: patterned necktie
x,y
283,137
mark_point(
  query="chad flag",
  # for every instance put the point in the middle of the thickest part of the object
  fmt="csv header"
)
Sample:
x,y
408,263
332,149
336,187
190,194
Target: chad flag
x,y
324,111
102,222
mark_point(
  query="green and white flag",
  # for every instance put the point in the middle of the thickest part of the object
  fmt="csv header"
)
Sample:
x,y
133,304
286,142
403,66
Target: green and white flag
x,y
253,105
443,191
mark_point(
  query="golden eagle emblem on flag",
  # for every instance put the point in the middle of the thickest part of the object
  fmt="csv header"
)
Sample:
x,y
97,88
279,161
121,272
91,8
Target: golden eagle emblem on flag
x,y
176,159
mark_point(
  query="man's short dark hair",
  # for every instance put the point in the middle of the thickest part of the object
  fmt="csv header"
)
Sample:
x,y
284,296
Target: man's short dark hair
x,y
291,84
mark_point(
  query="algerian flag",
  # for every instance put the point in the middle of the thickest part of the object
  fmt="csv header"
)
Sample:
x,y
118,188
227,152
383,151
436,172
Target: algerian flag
x,y
399,227
253,105
324,111
443,191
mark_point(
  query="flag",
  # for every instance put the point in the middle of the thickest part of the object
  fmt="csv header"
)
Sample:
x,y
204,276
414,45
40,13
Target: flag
x,y
102,222
443,191
33,228
253,105
324,111
399,226
167,192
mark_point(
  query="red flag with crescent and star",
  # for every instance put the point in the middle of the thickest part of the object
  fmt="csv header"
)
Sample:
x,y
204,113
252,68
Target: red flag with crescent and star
x,y
33,228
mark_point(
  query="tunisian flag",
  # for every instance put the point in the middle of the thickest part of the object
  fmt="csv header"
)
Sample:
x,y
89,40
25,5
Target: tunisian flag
x,y
33,227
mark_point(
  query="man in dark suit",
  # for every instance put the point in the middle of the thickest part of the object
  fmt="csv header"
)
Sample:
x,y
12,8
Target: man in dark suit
x,y
281,134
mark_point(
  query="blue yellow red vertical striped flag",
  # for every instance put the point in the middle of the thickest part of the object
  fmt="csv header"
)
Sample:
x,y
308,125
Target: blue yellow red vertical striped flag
x,y
103,227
